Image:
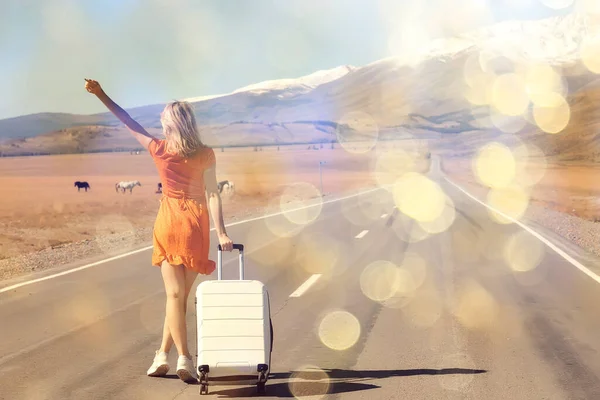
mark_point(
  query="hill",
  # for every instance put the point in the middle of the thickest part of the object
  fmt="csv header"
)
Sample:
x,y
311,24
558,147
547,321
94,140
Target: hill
x,y
465,90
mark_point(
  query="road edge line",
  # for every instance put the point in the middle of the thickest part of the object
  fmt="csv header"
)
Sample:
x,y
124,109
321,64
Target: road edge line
x,y
557,249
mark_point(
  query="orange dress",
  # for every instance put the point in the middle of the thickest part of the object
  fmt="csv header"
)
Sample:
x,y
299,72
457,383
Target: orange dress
x,y
182,229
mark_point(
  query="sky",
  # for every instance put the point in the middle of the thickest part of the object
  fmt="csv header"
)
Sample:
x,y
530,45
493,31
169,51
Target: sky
x,y
154,51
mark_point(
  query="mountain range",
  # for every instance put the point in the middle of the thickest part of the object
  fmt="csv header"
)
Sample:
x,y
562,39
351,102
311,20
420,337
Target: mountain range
x,y
459,93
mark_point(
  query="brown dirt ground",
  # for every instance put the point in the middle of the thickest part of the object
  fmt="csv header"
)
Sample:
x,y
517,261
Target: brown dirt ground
x,y
569,188
41,208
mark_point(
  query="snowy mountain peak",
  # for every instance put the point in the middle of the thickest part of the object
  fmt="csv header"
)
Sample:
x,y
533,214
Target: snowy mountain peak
x,y
308,81
555,40
288,87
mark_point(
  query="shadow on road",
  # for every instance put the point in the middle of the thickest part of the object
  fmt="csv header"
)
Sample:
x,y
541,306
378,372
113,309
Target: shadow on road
x,y
371,374
282,390
311,383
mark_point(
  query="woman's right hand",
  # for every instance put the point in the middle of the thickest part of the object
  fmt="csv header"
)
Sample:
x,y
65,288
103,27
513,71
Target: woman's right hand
x,y
93,86
225,242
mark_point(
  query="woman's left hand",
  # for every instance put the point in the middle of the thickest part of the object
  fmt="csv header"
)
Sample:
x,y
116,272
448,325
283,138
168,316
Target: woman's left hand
x,y
225,242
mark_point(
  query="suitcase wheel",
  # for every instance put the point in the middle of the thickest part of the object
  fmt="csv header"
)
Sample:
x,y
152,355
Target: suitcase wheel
x,y
204,388
262,378
261,388
203,369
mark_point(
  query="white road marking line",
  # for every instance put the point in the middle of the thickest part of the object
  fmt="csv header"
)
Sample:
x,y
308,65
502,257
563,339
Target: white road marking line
x,y
383,216
70,271
306,285
360,235
567,257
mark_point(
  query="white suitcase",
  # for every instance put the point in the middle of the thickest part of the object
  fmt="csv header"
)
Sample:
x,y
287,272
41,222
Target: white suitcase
x,y
234,330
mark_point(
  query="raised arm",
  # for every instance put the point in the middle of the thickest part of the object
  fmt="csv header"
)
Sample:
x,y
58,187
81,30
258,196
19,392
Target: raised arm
x,y
135,128
216,210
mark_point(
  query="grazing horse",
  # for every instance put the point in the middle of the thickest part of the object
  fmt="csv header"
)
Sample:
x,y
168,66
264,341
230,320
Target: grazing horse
x,y
84,185
222,184
127,185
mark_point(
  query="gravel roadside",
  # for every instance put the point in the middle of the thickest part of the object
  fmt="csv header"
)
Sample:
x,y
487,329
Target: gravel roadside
x,y
111,245
581,232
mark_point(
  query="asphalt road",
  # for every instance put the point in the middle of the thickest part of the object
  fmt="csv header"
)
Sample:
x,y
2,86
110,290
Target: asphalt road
x,y
460,322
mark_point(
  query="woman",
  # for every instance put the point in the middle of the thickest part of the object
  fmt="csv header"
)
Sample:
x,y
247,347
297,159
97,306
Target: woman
x,y
181,232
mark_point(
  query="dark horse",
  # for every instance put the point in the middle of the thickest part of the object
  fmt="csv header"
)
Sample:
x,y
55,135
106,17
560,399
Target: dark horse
x,y
84,185
221,184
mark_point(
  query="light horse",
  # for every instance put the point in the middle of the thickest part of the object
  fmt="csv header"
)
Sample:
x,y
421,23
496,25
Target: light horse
x,y
83,185
127,185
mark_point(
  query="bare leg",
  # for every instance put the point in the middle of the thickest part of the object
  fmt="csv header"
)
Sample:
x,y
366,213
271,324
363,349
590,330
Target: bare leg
x,y
174,278
167,339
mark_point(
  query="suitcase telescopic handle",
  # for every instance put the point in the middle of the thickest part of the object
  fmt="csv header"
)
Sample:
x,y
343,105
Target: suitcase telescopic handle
x,y
236,246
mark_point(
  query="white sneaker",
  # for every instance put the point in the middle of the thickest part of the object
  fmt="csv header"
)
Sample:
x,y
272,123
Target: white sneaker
x,y
160,366
185,370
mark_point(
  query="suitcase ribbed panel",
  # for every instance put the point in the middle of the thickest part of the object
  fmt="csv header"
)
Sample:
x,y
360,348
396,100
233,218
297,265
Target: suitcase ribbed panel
x,y
213,328
233,327
223,287
234,313
233,300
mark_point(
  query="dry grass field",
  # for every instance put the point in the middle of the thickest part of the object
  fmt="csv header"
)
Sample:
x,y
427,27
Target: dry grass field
x,y
41,208
565,187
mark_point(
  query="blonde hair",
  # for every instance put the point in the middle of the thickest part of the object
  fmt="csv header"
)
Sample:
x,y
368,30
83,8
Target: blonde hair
x,y
180,129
